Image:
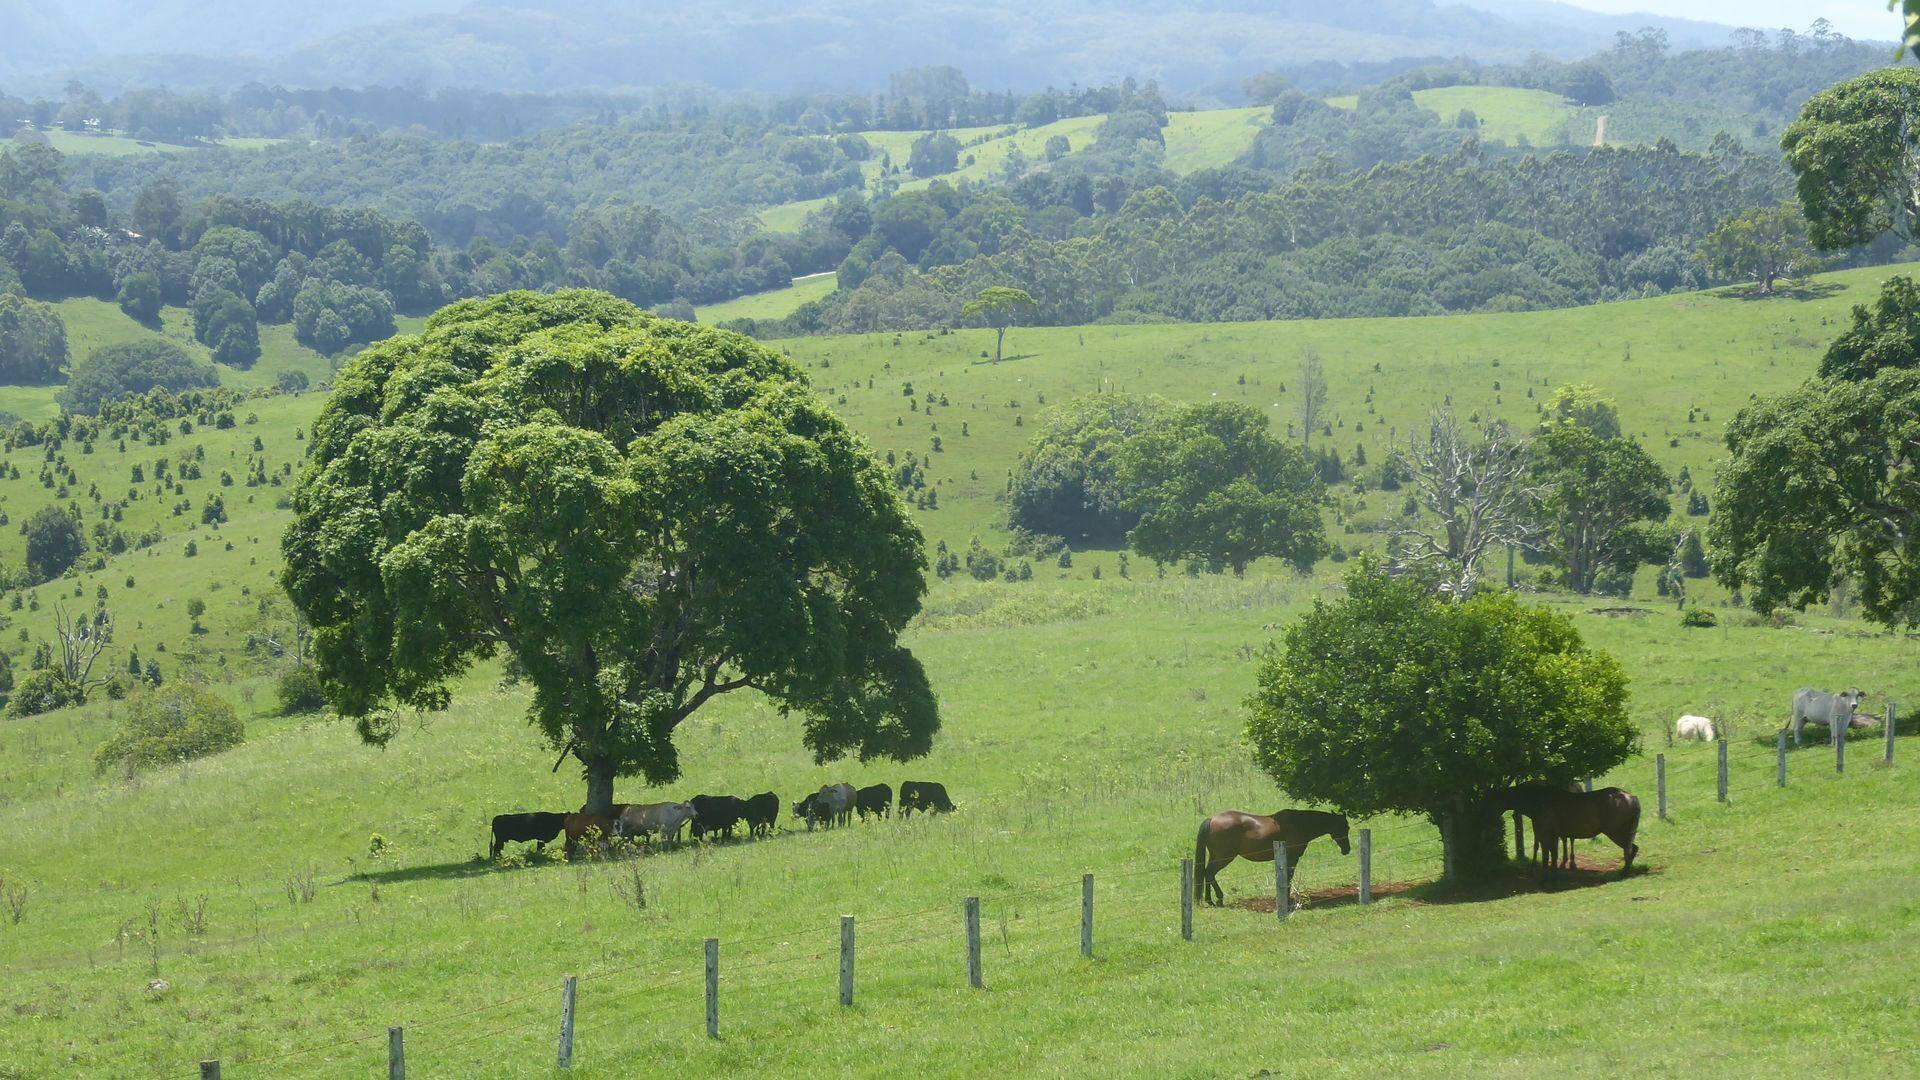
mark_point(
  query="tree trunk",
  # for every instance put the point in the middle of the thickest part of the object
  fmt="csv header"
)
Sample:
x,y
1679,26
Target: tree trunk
x,y
999,336
1473,839
599,785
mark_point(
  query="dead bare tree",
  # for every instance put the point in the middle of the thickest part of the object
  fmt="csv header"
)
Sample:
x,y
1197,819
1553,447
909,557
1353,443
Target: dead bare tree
x,y
82,639
1473,497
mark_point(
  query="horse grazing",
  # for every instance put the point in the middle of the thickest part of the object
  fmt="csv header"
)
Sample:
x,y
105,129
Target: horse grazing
x,y
1232,834
1576,815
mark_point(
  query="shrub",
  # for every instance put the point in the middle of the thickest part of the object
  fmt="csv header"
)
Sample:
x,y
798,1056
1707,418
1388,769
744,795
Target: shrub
x,y
1699,617
300,691
45,690
177,722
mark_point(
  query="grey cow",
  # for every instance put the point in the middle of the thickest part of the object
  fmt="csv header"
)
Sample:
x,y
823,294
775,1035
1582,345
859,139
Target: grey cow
x,y
1832,711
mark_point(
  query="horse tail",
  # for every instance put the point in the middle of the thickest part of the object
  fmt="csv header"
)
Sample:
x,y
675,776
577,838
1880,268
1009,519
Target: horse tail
x,y
1200,856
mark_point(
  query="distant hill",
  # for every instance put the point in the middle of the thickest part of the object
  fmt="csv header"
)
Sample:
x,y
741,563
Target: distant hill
x,y
772,45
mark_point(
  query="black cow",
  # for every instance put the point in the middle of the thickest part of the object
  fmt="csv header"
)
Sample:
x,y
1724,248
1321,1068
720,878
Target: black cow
x,y
761,812
924,795
809,811
876,800
522,828
717,813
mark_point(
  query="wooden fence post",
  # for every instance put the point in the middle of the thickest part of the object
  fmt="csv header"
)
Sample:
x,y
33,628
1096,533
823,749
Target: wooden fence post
x,y
1366,866
396,1054
1780,760
210,1070
846,959
1186,899
566,1021
713,988
1889,732
1840,749
1086,914
1660,782
1587,784
1723,769
1282,891
972,907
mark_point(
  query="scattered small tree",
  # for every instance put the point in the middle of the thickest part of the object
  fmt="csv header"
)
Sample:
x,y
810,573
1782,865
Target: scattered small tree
x,y
1474,497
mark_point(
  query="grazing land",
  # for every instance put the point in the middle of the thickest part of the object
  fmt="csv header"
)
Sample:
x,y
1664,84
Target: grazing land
x,y
1089,723
68,142
774,303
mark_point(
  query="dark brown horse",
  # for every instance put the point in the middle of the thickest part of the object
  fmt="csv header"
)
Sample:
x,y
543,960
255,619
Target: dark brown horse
x,y
1232,834
1576,815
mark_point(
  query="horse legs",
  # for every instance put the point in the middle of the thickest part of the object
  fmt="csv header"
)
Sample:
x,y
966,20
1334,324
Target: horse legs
x,y
1210,891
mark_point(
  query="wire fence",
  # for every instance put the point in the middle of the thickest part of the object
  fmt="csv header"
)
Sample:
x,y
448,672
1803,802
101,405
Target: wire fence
x,y
771,983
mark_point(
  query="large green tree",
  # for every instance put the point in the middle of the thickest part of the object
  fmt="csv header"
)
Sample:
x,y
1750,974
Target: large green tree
x,y
133,367
1855,153
1212,483
642,514
33,340
1592,499
55,541
1392,699
1822,483
1066,482
1761,245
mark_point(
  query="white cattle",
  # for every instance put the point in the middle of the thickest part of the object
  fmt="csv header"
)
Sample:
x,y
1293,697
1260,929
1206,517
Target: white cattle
x,y
1691,727
664,820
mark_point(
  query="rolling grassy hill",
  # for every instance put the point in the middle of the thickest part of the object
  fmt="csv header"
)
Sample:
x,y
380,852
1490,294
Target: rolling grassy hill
x,y
774,303
1088,722
1543,118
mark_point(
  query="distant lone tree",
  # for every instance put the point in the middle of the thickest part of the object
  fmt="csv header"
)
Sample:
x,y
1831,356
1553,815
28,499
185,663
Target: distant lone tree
x,y
1211,483
1761,245
55,541
999,306
1312,382
641,514
1474,496
934,154
1593,498
1392,699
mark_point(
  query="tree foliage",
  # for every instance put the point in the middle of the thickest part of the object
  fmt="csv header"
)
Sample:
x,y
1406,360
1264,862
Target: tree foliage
x,y
1212,483
1582,405
642,513
1855,152
173,723
999,306
135,367
1391,699
55,541
1592,499
1761,246
1067,481
33,341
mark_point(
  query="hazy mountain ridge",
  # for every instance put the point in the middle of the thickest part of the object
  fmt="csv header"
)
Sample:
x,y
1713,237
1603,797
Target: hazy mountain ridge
x,y
776,47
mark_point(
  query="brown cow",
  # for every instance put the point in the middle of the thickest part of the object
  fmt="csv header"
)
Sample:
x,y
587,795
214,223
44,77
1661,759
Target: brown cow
x,y
578,825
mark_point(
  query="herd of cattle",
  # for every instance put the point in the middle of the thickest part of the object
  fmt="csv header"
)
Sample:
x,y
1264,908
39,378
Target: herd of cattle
x,y
834,804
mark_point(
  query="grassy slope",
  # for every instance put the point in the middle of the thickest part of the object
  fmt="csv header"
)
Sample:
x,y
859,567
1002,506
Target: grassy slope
x,y
1505,112
68,142
1211,138
774,303
1087,723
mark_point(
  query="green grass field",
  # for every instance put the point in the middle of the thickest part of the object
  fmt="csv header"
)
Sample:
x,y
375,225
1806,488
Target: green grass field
x,y
774,303
1088,723
69,142
1211,138
1507,113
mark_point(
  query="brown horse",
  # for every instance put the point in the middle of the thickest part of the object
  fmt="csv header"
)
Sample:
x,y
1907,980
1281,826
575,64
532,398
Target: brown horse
x,y
1521,799
1232,834
1577,815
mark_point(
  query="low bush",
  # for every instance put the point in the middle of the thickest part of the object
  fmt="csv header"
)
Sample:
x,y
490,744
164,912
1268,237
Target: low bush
x,y
177,722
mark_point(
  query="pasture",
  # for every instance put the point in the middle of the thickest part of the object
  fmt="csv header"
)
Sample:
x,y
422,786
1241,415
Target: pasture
x,y
1088,725
114,144
774,303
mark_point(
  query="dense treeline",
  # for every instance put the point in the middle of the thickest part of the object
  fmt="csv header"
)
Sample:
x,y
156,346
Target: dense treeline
x,y
1465,231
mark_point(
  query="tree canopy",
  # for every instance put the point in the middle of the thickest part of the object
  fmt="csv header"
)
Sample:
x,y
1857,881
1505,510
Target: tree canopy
x,y
1067,482
1761,245
1391,699
1000,306
1855,152
1212,483
641,513
133,367
1592,498
55,541
1820,484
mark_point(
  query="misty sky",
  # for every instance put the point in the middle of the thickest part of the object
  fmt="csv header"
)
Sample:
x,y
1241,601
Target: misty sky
x,y
1863,19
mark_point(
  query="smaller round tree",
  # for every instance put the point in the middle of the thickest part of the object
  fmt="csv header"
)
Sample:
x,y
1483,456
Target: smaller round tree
x,y
1394,700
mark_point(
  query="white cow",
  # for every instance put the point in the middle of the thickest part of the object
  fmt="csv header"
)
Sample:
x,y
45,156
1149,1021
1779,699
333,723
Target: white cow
x,y
664,820
1693,727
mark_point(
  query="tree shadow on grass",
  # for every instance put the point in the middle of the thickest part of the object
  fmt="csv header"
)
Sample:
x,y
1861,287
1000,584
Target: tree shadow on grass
x,y
1806,290
1007,359
447,871
1515,880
